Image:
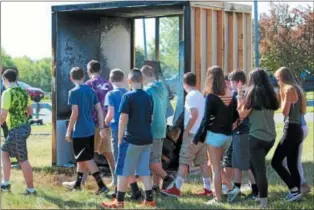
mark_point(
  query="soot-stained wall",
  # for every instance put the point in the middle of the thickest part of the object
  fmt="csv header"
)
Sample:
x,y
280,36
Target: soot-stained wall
x,y
81,38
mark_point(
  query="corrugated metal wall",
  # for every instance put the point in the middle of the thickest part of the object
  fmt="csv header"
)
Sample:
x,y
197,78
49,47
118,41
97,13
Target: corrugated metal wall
x,y
221,38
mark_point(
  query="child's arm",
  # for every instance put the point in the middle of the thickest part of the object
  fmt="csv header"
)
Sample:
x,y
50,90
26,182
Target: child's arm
x,y
29,108
109,115
100,116
191,122
5,105
124,118
73,119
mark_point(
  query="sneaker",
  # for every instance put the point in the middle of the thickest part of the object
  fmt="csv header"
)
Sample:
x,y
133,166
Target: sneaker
x,y
305,188
104,190
224,189
27,192
214,202
252,197
112,205
172,191
232,194
205,192
147,204
167,182
293,196
5,188
69,185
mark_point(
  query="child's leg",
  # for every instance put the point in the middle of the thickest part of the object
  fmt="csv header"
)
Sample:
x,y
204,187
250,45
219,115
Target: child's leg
x,y
28,173
199,155
20,136
92,167
122,187
156,166
115,150
107,152
6,164
143,170
81,170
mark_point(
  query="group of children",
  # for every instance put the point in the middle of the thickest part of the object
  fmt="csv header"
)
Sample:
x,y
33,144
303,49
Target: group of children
x,y
228,130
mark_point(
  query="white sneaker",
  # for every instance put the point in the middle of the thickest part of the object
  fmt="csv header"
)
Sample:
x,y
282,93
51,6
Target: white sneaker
x,y
224,189
293,196
232,194
213,202
68,185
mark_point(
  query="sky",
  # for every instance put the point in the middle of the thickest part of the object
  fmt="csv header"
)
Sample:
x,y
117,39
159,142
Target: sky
x,y
26,27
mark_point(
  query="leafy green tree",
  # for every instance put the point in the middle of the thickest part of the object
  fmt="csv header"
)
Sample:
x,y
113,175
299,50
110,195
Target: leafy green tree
x,y
287,38
6,59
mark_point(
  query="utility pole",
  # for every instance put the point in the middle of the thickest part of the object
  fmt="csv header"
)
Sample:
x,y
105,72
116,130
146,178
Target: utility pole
x,y
256,38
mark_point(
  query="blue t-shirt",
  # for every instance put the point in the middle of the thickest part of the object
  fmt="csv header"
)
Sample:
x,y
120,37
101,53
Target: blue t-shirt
x,y
113,98
158,92
139,106
86,99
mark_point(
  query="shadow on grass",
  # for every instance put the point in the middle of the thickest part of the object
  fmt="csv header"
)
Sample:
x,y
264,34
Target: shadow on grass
x,y
54,170
62,204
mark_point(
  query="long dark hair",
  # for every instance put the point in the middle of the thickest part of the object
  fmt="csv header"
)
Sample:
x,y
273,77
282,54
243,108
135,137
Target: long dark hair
x,y
215,81
260,93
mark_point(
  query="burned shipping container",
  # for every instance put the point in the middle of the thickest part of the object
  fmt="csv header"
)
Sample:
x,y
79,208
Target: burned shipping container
x,y
210,33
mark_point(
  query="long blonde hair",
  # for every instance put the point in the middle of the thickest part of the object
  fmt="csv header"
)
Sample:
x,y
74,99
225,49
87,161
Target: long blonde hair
x,y
289,80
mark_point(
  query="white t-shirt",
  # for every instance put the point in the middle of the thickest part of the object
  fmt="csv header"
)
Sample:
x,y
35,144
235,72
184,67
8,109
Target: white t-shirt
x,y
194,99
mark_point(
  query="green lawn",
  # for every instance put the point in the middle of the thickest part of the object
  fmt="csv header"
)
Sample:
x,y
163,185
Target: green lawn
x,y
52,195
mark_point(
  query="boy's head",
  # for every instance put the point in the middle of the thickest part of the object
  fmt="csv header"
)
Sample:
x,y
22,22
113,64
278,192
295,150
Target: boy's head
x,y
77,74
135,77
235,77
9,76
189,81
148,74
116,76
227,81
93,67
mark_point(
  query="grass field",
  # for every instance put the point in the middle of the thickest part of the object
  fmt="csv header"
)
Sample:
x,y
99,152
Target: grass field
x,y
51,195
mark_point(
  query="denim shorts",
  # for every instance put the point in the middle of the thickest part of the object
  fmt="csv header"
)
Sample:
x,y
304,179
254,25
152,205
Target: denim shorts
x,y
218,140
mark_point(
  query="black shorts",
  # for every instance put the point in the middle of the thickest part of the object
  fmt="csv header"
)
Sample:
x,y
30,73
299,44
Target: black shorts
x,y
227,157
83,148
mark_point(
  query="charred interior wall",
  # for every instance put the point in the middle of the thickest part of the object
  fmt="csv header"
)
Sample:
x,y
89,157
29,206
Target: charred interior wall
x,y
81,38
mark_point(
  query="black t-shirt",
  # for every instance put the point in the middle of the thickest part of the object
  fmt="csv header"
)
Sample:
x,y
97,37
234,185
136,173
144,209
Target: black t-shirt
x,y
139,106
218,117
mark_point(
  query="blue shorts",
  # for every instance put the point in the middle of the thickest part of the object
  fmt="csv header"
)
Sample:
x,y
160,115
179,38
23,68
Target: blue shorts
x,y
218,140
114,144
133,160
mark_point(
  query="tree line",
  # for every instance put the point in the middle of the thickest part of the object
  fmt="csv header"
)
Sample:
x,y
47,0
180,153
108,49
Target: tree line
x,y
33,72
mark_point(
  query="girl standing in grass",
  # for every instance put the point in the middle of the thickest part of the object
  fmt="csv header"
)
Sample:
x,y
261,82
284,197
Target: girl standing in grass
x,y
293,106
259,104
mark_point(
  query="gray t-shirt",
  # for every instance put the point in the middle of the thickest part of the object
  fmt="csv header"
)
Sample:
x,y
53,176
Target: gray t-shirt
x,y
262,124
